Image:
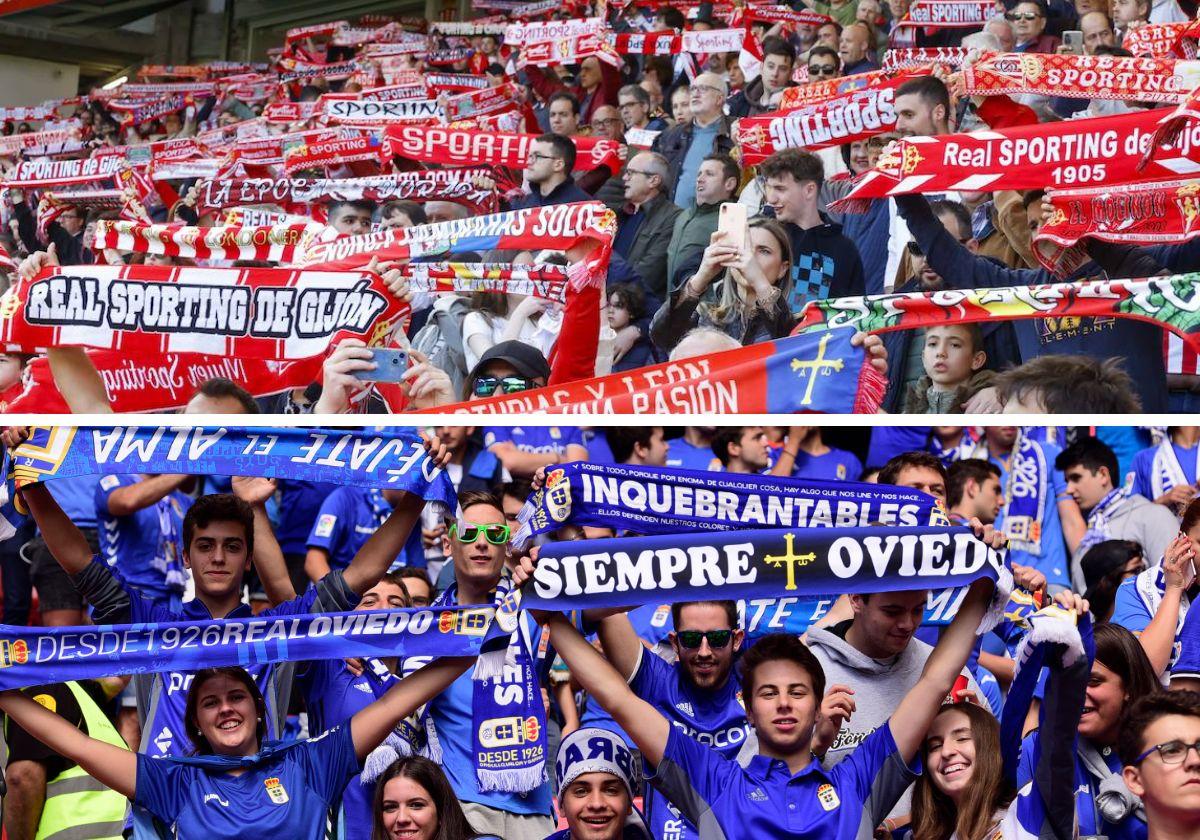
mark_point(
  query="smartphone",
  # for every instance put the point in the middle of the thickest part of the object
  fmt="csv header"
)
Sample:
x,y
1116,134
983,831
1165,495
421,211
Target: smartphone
x,y
1073,40
733,225
390,365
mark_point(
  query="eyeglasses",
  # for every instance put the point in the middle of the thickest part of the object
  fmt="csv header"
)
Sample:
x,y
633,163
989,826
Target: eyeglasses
x,y
709,88
641,172
485,386
822,70
496,533
692,639
1172,752
540,156
1011,16
609,121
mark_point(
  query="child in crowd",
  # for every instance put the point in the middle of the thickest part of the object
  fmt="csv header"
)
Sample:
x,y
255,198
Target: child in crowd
x,y
954,360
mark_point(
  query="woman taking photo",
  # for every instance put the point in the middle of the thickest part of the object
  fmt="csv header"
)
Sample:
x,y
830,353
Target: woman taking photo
x,y
742,293
414,799
235,784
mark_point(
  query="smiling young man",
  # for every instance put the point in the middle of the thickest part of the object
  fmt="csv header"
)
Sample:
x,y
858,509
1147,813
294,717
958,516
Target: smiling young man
x,y
595,773
1160,748
783,791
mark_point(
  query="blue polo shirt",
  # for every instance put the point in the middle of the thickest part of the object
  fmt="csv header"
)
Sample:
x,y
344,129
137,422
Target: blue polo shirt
x,y
536,439
1143,468
347,519
684,455
834,465
764,800
715,718
332,696
287,795
299,504
135,544
164,733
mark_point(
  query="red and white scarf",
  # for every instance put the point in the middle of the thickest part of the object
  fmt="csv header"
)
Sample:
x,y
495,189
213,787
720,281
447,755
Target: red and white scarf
x,y
560,227
542,280
43,172
1155,40
164,382
813,92
844,119
1101,150
948,14
1082,76
146,311
914,57
433,185
460,147
1139,213
276,243
331,148
373,112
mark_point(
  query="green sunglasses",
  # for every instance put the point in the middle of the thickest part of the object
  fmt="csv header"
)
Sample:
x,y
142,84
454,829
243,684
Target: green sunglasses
x,y
468,532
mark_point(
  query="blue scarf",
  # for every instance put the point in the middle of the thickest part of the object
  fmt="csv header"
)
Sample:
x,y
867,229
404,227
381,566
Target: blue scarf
x,y
1045,805
1097,518
758,564
1025,496
394,458
508,720
37,656
658,500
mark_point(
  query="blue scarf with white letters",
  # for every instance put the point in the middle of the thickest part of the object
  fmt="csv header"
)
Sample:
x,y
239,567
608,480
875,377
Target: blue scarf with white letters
x,y
752,564
508,720
660,500
42,655
393,458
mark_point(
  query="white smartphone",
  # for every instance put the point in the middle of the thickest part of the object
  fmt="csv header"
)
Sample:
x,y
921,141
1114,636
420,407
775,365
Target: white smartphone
x,y
733,225
1073,40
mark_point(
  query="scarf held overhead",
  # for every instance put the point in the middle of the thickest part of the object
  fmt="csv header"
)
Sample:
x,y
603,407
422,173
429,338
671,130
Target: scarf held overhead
x,y
394,459
1171,302
1139,213
1101,150
1082,76
815,374
658,500
262,313
756,564
465,147
37,656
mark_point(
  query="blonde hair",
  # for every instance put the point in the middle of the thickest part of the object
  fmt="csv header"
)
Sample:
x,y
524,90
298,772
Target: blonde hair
x,y
731,302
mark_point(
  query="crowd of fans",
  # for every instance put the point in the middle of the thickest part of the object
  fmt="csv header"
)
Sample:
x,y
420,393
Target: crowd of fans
x,y
676,286
705,719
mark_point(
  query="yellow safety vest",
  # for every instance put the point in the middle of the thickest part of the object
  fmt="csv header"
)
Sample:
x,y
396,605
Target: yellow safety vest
x,y
77,806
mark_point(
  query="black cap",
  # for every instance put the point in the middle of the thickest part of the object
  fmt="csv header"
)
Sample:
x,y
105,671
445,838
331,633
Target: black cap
x,y
527,360
1105,558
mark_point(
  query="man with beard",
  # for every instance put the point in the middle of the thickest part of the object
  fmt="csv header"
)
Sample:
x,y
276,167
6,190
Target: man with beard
x,y
699,693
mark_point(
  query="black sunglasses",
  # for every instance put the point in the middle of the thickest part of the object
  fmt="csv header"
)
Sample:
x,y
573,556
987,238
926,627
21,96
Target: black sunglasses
x,y
692,639
485,386
915,250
